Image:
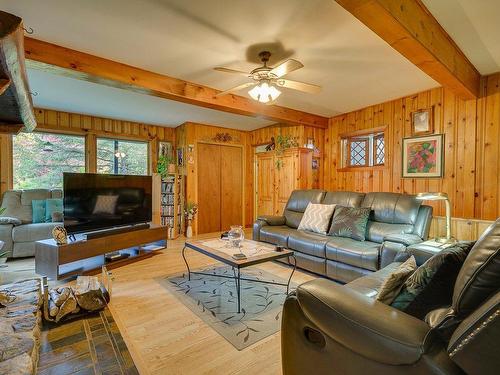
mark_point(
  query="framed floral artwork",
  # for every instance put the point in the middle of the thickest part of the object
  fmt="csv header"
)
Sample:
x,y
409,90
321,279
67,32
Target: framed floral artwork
x,y
423,156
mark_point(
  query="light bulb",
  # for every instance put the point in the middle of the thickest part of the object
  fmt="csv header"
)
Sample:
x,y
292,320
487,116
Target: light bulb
x,y
264,92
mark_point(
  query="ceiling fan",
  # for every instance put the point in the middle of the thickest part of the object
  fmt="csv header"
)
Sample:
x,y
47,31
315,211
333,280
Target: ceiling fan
x,y
267,80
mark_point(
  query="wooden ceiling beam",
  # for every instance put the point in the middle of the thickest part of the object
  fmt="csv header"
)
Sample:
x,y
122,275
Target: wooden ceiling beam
x,y
64,61
411,29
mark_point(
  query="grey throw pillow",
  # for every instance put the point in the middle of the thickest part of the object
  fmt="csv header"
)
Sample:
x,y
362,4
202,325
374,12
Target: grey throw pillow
x,y
350,222
394,282
10,220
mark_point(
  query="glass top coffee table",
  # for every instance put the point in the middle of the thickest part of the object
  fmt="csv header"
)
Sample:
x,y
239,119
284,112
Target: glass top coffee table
x,y
222,251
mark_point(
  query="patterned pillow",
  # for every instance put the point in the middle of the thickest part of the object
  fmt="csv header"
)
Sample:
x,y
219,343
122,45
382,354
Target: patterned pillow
x,y
105,204
431,285
317,217
394,282
350,222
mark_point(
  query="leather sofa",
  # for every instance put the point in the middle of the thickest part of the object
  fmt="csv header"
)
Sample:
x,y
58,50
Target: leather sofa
x,y
341,329
19,240
396,221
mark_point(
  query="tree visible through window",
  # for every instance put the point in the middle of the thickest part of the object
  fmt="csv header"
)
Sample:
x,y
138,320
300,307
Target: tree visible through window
x,y
116,156
39,159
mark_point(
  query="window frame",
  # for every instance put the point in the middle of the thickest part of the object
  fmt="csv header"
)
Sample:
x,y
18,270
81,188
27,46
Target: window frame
x,y
125,139
349,143
370,136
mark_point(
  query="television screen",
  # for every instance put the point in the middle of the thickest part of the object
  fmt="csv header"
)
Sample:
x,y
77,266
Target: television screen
x,y
97,201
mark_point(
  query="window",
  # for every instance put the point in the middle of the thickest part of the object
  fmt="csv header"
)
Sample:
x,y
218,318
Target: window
x,y
39,159
116,156
365,149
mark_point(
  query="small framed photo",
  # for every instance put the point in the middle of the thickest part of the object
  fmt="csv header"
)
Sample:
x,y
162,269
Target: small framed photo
x,y
315,164
165,149
423,156
310,143
422,122
180,156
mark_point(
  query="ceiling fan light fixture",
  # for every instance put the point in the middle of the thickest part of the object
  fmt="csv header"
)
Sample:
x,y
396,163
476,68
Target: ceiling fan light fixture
x,y
264,92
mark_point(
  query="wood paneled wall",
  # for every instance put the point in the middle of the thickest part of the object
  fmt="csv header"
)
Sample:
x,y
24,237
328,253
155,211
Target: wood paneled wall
x,y
89,126
472,149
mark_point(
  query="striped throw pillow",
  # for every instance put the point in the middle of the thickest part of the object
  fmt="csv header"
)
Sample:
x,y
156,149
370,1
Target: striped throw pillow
x,y
317,217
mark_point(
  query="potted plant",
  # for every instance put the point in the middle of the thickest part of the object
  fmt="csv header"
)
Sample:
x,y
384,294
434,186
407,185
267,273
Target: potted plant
x,y
165,166
190,212
284,142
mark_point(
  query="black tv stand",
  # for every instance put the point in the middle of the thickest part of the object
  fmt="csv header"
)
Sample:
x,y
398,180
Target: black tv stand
x,y
116,230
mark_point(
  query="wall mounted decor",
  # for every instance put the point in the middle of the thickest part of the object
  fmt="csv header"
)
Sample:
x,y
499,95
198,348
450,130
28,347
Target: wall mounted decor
x,y
180,156
423,156
422,122
165,149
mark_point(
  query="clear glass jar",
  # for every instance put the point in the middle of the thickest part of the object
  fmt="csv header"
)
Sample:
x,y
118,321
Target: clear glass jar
x,y
236,235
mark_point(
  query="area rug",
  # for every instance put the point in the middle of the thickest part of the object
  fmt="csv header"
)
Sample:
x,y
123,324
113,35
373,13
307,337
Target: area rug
x,y
92,345
214,300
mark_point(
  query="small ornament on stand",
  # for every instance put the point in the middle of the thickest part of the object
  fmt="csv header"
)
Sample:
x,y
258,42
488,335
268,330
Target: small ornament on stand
x,y
60,235
190,212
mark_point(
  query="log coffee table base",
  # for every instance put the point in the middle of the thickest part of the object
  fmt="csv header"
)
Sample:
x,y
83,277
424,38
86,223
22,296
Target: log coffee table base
x,y
237,265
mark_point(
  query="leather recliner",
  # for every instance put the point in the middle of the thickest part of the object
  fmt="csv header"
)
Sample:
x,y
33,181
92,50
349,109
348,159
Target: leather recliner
x,y
340,329
396,220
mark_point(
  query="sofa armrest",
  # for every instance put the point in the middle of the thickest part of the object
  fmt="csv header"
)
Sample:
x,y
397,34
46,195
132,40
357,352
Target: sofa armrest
x,y
404,239
365,326
272,220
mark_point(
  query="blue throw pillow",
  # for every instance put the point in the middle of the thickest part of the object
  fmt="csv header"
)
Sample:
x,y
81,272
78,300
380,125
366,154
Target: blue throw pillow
x,y
38,206
52,205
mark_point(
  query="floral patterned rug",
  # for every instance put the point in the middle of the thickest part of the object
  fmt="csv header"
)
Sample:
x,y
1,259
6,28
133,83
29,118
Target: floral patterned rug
x,y
214,300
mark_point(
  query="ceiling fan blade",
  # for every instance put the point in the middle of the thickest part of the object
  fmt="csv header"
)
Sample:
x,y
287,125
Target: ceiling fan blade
x,y
236,88
227,70
301,86
284,68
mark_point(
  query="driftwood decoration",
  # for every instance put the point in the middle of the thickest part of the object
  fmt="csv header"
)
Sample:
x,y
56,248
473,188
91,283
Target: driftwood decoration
x,y
16,106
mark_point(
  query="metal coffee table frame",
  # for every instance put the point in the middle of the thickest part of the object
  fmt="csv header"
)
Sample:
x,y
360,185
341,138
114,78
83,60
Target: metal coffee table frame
x,y
238,265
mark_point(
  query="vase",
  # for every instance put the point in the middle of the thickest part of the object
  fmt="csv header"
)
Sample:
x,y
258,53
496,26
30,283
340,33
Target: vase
x,y
236,235
189,230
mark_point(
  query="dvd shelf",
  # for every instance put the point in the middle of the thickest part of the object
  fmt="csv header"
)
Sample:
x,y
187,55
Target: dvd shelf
x,y
172,204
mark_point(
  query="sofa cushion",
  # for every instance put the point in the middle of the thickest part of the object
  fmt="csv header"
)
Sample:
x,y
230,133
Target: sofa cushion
x,y
363,254
18,202
392,208
376,231
394,282
38,207
344,198
370,284
297,203
308,243
277,235
33,232
10,220
349,222
317,217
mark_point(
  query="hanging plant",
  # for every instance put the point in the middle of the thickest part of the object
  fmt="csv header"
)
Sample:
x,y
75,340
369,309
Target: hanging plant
x,y
284,142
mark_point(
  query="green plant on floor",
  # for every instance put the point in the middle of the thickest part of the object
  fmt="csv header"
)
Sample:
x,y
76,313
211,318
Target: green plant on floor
x,y
284,142
162,165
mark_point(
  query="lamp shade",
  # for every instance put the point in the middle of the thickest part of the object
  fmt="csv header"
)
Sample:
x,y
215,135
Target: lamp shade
x,y
430,196
264,92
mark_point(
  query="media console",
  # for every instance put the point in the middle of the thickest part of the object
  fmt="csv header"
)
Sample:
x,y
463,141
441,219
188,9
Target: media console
x,y
84,256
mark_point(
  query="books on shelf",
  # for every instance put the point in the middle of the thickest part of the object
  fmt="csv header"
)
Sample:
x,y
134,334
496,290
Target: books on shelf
x,y
172,204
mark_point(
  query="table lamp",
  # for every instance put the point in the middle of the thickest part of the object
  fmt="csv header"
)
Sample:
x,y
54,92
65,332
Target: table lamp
x,y
440,197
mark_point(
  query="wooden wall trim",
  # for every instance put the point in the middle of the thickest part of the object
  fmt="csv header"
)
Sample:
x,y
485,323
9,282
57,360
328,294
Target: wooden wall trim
x,y
64,61
408,27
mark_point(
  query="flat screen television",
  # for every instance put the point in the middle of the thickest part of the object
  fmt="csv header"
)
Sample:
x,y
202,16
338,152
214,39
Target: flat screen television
x,y
100,201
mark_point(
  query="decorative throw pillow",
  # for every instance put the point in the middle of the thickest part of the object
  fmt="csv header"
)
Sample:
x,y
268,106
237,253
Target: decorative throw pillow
x,y
350,222
10,220
431,285
317,217
394,282
105,204
39,207
52,205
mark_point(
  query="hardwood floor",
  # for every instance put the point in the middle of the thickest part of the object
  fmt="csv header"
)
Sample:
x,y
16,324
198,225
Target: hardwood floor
x,y
165,337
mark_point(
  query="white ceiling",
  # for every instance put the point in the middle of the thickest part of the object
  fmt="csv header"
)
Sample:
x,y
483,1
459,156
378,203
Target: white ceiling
x,y
474,25
186,39
72,95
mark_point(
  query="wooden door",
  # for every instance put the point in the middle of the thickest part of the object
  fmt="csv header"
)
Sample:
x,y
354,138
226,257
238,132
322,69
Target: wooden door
x,y
265,184
209,188
231,186
286,179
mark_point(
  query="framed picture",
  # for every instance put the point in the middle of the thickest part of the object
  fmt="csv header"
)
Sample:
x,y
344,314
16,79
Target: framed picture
x,y
315,164
423,156
180,156
422,122
165,149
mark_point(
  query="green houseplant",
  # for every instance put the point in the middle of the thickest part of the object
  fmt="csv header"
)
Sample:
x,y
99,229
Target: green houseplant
x,y
165,166
284,142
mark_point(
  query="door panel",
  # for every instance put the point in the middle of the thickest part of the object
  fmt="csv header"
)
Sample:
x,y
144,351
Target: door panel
x,y
209,185
265,184
286,181
231,186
